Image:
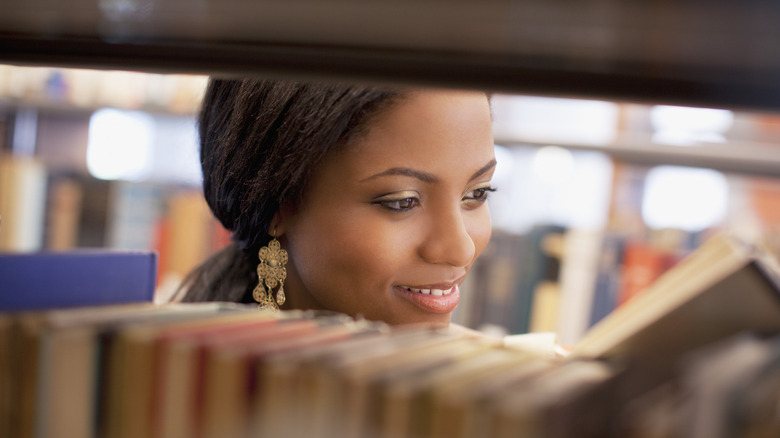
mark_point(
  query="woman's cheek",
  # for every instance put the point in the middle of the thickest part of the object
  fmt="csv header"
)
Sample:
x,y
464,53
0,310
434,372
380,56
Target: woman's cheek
x,y
359,246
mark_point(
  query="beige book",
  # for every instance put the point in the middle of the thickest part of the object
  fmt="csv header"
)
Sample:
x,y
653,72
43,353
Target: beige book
x,y
22,203
176,392
579,270
546,307
188,234
723,287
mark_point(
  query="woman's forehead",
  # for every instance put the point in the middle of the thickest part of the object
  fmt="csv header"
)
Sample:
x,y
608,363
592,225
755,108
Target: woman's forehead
x,y
427,130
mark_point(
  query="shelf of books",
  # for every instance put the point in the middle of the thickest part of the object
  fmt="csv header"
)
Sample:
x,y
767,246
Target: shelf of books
x,y
697,355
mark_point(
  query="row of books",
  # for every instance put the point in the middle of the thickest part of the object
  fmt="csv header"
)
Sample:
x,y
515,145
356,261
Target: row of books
x,y
565,280
697,354
213,371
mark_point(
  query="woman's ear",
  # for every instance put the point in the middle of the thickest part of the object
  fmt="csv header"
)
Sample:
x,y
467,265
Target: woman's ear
x,y
281,220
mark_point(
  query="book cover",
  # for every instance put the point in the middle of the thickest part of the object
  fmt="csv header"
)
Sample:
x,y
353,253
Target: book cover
x,y
47,280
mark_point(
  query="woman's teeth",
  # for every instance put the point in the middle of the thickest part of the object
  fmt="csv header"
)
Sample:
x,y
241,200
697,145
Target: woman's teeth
x,y
435,292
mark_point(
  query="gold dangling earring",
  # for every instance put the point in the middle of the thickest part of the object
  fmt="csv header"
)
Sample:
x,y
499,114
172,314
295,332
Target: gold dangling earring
x,y
271,270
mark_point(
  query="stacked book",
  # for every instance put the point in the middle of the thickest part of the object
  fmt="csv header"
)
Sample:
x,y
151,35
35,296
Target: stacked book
x,y
685,363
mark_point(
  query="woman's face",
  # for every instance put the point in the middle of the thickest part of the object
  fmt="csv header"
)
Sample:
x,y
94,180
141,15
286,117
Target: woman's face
x,y
389,228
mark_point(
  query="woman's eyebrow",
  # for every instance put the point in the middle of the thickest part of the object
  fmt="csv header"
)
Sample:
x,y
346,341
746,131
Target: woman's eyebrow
x,y
491,164
404,171
424,176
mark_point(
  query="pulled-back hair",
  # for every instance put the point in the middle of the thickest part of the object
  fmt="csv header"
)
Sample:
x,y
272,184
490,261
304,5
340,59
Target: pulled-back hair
x,y
260,142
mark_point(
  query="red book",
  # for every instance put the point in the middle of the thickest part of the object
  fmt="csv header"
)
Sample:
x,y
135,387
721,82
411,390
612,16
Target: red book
x,y
642,265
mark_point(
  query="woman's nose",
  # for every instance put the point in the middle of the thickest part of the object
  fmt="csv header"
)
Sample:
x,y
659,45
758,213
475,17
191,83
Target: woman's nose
x,y
448,241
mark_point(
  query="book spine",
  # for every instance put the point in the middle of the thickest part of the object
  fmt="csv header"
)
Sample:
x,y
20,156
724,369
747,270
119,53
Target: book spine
x,y
22,203
579,268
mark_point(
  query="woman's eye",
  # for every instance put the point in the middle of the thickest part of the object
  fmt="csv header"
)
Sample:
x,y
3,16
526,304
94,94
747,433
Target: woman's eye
x,y
399,204
479,194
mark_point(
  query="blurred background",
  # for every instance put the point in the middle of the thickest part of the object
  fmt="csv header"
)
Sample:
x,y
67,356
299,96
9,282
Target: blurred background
x,y
605,181
596,199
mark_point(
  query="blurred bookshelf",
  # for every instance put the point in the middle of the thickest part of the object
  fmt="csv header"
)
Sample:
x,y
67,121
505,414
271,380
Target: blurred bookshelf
x,y
56,197
598,155
577,231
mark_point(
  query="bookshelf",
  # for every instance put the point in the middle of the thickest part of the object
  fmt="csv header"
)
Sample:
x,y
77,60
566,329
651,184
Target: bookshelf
x,y
599,50
631,52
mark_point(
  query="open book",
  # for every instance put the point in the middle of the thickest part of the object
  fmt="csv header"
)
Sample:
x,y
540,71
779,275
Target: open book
x,y
722,288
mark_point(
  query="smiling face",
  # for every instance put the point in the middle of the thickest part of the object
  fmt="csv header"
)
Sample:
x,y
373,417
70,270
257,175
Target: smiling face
x,y
389,227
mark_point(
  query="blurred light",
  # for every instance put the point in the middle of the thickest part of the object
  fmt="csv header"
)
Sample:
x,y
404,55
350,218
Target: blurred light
x,y
571,188
120,144
686,198
683,126
554,120
553,164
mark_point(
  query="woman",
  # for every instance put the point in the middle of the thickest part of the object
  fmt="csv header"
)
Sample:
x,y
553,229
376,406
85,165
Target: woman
x,y
377,195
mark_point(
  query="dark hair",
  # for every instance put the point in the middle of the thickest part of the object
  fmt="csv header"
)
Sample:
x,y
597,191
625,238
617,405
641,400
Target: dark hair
x,y
260,142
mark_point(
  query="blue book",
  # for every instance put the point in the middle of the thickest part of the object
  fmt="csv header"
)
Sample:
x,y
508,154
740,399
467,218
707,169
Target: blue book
x,y
38,281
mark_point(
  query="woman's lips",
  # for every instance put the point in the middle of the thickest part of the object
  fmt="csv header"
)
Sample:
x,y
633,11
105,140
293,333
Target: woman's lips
x,y
432,299
430,290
